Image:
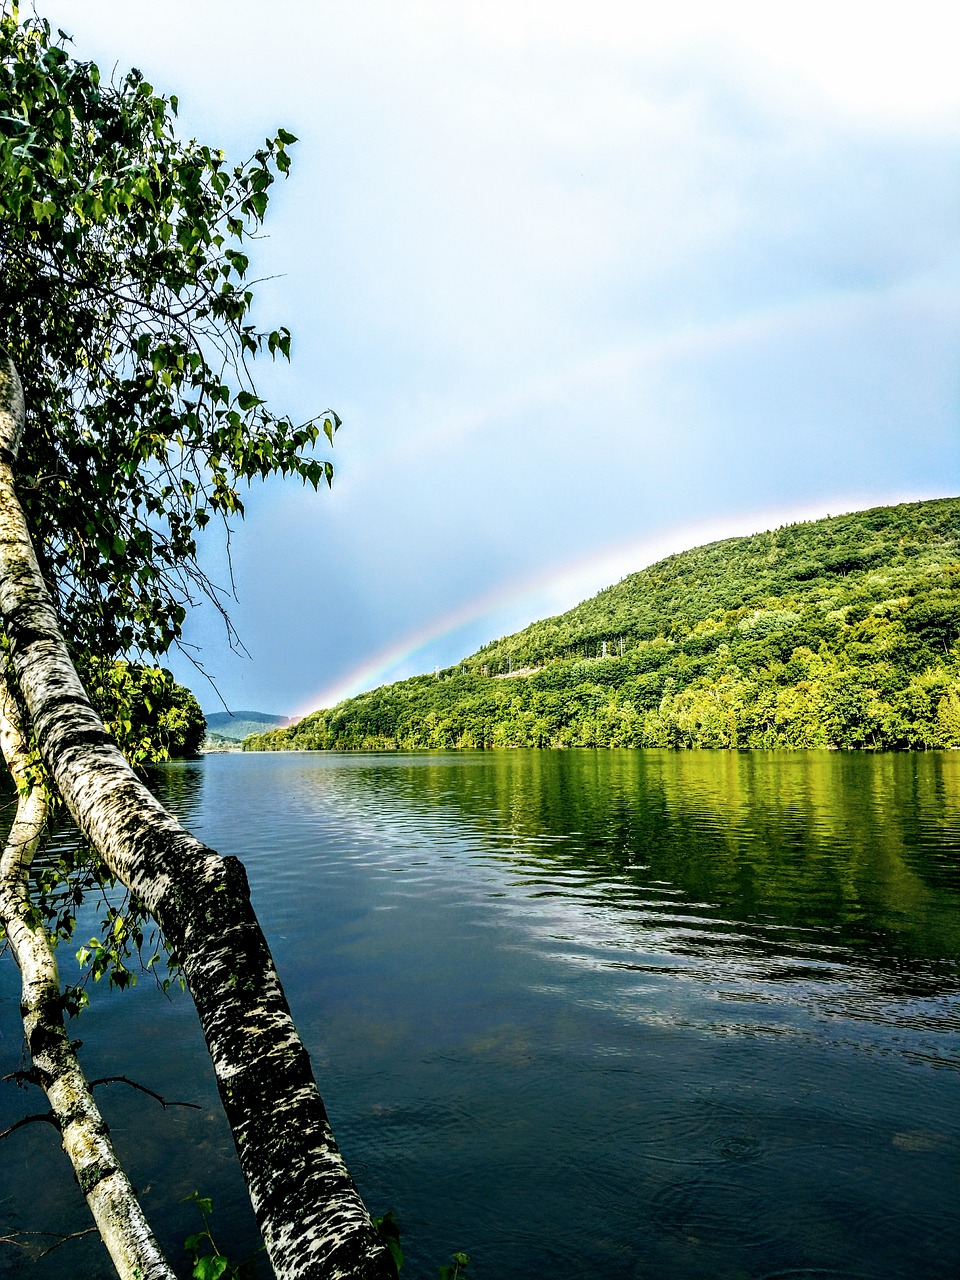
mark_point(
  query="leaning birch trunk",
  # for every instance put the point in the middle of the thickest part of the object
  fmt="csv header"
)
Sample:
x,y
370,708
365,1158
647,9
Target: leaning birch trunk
x,y
313,1221
86,1140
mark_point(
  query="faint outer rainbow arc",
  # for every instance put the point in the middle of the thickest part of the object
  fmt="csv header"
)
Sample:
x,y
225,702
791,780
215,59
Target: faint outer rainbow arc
x,y
709,338
586,575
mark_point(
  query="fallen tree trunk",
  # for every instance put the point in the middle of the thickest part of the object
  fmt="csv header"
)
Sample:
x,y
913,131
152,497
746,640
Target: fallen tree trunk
x,y
313,1221
54,1064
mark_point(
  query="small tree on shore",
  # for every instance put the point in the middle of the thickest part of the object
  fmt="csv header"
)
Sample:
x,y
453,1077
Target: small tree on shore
x,y
125,310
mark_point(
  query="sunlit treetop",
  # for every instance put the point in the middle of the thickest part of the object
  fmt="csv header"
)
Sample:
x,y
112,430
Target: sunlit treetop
x,y
124,304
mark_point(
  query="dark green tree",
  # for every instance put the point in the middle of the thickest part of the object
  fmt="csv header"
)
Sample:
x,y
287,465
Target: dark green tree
x,y
151,716
842,632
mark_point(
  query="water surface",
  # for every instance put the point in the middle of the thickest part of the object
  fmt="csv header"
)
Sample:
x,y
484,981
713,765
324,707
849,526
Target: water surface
x,y
585,1014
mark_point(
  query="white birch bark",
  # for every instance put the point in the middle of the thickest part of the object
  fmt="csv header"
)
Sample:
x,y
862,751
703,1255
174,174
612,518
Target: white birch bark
x,y
86,1139
313,1221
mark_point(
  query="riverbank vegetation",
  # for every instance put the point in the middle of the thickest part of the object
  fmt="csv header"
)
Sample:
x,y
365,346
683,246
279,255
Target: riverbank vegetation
x,y
840,633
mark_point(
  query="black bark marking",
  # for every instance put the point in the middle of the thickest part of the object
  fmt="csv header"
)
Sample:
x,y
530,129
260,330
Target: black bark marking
x,y
75,739
44,1039
91,1176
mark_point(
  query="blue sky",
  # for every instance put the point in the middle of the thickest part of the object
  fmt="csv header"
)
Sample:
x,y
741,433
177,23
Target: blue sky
x,y
588,283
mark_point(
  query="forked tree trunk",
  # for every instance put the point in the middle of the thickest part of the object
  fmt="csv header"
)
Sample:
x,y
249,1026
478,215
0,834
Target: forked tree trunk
x,y
86,1140
312,1219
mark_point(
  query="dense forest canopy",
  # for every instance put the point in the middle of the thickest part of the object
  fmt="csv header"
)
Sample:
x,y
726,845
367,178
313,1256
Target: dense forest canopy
x,y
843,632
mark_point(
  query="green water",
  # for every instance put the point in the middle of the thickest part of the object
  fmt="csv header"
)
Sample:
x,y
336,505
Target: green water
x,y
627,1014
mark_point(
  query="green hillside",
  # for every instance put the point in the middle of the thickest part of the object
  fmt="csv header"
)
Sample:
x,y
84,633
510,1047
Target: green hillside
x,y
842,632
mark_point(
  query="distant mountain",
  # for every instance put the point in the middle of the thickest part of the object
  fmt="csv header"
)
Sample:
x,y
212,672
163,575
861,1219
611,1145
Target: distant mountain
x,y
843,632
222,726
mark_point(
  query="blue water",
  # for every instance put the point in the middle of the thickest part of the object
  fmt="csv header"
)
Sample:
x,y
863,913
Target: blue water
x,y
580,1014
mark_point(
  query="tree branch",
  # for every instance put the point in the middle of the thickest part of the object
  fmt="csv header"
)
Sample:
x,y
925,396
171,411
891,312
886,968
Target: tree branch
x,y
142,1089
46,1117
16,1238
62,1240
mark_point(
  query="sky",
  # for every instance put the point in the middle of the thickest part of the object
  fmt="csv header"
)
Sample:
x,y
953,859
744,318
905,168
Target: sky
x,y
588,284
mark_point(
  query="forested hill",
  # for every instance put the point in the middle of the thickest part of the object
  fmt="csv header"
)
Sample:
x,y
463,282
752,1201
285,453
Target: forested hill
x,y
842,632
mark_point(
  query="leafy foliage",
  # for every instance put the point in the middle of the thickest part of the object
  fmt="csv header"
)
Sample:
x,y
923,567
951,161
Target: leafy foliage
x,y
128,940
388,1231
842,632
151,716
124,304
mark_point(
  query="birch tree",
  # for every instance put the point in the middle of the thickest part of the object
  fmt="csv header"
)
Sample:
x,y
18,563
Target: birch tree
x,y
124,308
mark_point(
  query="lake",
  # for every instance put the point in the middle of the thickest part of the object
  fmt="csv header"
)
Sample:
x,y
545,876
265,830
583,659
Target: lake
x,y
578,1014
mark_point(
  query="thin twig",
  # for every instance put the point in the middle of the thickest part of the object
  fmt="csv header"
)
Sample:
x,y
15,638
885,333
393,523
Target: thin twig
x,y
22,1078
74,1235
143,1089
46,1116
17,1242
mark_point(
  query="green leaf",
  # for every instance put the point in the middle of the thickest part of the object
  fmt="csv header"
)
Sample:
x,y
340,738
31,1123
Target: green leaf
x,y
387,1229
210,1267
